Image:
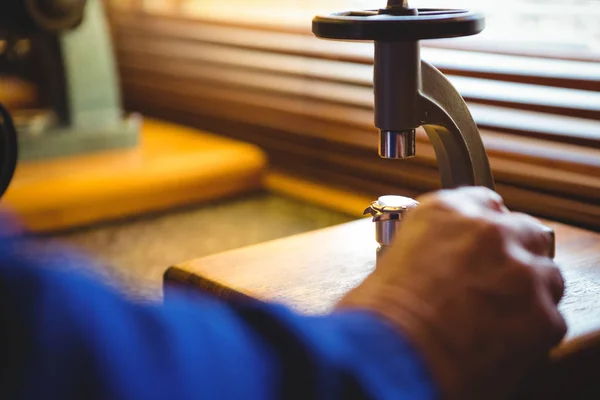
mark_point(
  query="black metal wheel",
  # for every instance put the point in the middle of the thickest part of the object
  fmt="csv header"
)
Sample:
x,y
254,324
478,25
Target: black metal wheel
x,y
415,24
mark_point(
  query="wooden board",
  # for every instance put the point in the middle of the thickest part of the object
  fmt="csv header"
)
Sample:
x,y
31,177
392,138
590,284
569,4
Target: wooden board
x,y
311,272
172,166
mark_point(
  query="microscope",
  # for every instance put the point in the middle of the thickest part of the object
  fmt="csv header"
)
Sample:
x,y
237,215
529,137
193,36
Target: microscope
x,y
411,93
63,47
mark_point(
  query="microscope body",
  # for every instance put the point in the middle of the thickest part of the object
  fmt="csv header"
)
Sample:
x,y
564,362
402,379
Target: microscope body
x,y
411,93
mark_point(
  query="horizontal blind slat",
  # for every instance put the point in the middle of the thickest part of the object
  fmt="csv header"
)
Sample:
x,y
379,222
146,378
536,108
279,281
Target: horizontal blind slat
x,y
541,177
569,102
306,100
581,75
530,123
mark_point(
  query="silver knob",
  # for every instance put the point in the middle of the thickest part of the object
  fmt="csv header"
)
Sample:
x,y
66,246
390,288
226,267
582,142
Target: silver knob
x,y
388,212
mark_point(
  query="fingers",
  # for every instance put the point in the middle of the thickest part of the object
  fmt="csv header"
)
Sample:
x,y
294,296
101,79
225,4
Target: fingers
x,y
556,326
551,278
475,201
530,233
538,240
559,327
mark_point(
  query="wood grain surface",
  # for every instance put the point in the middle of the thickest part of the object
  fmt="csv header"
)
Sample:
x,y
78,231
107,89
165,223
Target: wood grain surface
x,y
172,166
311,272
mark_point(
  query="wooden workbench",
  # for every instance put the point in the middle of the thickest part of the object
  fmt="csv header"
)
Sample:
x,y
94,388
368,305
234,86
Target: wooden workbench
x,y
312,271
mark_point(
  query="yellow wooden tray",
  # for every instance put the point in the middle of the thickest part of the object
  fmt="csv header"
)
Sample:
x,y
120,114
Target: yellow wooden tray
x,y
172,166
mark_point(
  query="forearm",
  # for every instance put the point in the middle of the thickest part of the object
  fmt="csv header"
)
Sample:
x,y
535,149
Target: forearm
x,y
68,337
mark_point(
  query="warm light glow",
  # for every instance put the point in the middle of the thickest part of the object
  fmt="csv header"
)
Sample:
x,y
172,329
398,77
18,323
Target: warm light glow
x,y
568,24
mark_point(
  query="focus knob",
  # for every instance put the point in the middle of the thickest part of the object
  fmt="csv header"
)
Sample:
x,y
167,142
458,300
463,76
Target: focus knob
x,y
388,212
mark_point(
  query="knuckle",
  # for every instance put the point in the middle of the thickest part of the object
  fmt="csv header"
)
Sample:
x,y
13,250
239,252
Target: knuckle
x,y
435,205
488,230
554,325
526,217
558,278
435,200
561,327
526,277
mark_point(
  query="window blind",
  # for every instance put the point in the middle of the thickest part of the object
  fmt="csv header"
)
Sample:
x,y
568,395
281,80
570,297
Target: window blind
x,y
309,102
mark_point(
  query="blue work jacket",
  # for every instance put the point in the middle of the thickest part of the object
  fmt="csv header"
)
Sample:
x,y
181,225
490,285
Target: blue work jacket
x,y
65,336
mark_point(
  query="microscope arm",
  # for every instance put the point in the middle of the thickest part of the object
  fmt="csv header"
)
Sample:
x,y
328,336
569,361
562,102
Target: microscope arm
x,y
460,153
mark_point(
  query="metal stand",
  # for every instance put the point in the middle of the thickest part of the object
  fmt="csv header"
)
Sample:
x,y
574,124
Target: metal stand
x,y
410,93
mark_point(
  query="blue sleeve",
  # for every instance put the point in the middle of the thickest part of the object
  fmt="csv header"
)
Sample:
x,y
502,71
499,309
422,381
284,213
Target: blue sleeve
x,y
64,336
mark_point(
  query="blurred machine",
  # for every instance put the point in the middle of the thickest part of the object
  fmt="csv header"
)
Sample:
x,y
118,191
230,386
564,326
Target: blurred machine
x,y
62,48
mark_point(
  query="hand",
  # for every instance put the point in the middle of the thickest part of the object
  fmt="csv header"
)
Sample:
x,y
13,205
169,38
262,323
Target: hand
x,y
472,285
